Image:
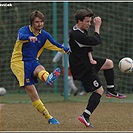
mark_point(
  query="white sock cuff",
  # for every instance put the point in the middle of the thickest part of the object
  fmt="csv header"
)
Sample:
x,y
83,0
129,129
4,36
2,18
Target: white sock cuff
x,y
87,111
110,86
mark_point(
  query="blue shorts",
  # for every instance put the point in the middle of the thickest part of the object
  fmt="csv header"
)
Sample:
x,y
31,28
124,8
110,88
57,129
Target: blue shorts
x,y
24,72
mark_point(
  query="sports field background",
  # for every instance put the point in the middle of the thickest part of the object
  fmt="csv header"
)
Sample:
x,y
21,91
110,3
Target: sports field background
x,y
16,111
116,34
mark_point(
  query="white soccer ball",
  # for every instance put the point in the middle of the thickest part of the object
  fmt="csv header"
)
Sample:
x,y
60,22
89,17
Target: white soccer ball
x,y
2,91
126,65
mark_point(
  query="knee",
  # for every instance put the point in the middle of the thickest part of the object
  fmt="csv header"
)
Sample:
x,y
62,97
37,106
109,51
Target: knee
x,y
100,91
109,63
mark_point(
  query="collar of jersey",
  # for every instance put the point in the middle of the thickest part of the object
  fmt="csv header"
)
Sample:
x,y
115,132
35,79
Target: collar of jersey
x,y
34,32
75,28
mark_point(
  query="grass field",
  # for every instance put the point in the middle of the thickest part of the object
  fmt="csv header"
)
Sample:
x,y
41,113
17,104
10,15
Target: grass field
x,y
24,98
17,113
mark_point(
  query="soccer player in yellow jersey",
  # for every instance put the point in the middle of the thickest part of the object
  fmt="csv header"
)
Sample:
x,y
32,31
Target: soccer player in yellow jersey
x,y
31,41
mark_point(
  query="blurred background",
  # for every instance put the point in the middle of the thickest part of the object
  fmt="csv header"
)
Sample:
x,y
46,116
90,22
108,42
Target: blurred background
x,y
116,33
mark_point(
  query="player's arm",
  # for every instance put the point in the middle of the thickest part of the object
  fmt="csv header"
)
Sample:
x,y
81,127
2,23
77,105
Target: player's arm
x,y
97,24
90,40
23,35
53,45
84,39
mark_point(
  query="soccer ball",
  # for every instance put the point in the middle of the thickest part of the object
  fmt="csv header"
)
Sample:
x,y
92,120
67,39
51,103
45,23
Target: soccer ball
x,y
126,65
2,91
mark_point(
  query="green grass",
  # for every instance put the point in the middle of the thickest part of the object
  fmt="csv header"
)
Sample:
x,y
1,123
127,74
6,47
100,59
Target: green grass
x,y
24,98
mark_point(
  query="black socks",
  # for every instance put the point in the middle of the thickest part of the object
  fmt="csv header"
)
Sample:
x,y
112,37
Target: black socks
x,y
93,102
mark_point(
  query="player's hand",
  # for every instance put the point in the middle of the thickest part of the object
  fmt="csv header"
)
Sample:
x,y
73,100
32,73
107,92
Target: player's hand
x,y
97,21
33,39
67,50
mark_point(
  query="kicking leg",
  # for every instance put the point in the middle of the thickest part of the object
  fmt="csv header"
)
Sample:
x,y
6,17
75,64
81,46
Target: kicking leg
x,y
45,76
109,76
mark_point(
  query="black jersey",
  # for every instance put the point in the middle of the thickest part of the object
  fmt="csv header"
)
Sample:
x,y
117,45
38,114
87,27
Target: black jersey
x,y
80,44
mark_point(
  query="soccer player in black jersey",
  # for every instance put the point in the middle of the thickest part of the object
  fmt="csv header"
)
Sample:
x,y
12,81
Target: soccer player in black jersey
x,y
81,67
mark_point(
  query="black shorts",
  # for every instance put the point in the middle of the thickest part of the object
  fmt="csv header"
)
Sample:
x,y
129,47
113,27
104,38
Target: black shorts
x,y
91,81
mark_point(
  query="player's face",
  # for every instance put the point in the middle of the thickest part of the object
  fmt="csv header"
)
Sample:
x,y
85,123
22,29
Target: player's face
x,y
86,23
37,24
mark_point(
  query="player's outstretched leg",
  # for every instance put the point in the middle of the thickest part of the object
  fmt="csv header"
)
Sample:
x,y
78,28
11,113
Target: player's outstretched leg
x,y
115,94
53,76
109,76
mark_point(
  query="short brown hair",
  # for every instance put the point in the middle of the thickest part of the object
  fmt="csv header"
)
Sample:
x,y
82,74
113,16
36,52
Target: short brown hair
x,y
35,14
82,13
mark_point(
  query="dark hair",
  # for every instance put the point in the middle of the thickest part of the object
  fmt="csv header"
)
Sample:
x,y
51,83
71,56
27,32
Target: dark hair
x,y
35,14
82,13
